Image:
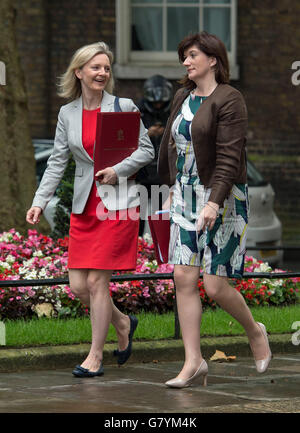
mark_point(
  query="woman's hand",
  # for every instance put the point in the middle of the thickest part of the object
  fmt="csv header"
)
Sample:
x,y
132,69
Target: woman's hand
x,y
208,216
33,215
156,131
107,176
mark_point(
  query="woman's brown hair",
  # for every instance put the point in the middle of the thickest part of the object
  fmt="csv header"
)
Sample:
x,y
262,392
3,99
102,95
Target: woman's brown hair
x,y
212,46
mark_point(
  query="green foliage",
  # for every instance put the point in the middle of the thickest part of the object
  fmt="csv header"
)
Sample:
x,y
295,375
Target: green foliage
x,y
64,206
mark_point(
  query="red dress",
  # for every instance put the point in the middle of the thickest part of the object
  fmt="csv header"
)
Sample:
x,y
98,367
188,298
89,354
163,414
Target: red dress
x,y
101,243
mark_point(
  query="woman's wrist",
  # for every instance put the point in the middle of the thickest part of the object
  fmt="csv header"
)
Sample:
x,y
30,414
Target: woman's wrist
x,y
213,206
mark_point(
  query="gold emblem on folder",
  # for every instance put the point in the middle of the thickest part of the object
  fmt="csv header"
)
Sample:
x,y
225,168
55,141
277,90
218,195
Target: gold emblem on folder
x,y
120,135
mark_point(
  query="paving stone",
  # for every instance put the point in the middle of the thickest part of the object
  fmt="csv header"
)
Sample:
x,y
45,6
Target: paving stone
x,y
233,387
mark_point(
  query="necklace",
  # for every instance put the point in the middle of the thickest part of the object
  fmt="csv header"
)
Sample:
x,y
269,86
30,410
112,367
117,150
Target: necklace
x,y
91,106
208,93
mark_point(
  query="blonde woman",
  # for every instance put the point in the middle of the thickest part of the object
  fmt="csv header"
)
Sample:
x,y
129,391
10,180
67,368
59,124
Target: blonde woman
x,y
98,244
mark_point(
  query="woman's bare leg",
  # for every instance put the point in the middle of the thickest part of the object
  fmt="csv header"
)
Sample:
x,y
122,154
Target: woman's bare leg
x,y
189,312
100,313
233,303
121,322
78,284
83,283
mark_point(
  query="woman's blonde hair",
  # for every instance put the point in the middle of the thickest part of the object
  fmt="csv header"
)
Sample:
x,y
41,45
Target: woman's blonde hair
x,y
69,85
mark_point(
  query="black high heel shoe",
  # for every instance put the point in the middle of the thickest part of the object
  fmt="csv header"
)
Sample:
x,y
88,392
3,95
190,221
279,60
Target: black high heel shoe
x,y
124,355
85,372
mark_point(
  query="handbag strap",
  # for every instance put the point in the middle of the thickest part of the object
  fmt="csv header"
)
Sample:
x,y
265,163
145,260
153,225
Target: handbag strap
x,y
117,106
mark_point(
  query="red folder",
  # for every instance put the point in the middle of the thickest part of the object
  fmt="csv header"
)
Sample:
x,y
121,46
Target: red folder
x,y
160,231
117,136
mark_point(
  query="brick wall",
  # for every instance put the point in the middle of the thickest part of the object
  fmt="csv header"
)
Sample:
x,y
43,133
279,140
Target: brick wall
x,y
32,37
73,24
268,44
48,33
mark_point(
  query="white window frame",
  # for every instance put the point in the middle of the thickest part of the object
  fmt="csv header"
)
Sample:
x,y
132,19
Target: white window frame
x,y
142,65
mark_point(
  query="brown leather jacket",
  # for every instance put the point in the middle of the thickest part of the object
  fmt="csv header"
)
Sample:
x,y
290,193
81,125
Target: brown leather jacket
x,y
219,139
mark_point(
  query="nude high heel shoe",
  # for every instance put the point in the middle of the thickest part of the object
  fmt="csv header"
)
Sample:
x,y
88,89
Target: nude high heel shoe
x,y
263,364
181,383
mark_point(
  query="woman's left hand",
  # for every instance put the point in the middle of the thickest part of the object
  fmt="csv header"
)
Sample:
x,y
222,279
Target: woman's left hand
x,y
107,176
208,216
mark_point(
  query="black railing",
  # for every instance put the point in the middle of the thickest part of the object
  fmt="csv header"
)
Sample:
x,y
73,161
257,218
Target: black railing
x,y
135,277
275,247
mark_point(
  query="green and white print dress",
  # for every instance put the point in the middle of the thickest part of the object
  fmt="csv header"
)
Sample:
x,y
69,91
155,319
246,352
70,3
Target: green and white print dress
x,y
220,251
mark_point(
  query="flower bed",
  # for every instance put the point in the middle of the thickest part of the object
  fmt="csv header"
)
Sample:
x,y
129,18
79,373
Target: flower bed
x,y
38,257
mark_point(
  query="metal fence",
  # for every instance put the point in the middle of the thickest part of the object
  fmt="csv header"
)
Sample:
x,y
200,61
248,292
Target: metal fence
x,y
145,277
136,277
282,247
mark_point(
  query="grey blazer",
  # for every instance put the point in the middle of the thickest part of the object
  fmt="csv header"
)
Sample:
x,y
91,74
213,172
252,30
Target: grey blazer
x,y
68,138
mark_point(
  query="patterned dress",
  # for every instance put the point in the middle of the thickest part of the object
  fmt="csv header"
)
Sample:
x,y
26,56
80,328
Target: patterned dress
x,y
220,251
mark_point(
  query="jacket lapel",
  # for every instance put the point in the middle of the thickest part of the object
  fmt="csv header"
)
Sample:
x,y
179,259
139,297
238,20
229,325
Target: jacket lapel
x,y
107,104
76,126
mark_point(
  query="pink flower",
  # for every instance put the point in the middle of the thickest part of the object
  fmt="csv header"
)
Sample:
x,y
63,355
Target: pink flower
x,y
32,232
27,251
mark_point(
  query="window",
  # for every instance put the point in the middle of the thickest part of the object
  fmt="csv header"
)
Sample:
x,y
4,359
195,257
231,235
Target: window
x,y
148,32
